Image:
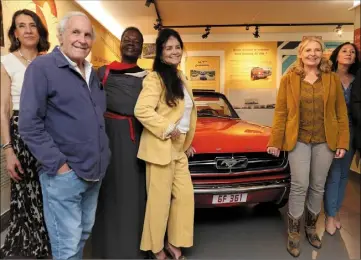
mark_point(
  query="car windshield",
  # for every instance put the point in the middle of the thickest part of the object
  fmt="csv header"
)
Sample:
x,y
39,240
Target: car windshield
x,y
213,106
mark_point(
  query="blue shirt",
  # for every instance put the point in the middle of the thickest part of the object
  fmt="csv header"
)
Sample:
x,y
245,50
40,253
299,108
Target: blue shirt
x,y
61,119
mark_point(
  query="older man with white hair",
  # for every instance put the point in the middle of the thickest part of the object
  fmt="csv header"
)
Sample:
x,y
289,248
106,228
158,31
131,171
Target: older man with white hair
x,y
61,121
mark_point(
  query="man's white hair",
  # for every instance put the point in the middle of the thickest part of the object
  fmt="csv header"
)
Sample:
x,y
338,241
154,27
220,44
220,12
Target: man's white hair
x,y
63,22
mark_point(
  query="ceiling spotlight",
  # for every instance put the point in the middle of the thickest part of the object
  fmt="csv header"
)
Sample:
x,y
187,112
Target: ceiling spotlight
x,y
208,31
338,30
256,33
158,25
148,3
247,27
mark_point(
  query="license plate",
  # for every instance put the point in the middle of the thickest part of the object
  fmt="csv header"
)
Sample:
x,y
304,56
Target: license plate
x,y
229,198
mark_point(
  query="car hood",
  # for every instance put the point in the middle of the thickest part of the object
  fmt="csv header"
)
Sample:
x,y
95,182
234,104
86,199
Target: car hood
x,y
224,135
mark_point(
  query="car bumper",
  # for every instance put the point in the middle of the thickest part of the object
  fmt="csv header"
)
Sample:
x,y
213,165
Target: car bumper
x,y
255,194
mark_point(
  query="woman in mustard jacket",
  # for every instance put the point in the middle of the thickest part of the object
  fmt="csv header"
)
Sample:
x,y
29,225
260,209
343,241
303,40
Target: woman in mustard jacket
x,y
166,109
311,123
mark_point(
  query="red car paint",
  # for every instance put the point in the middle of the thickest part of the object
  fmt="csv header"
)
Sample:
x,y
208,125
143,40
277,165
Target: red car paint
x,y
231,157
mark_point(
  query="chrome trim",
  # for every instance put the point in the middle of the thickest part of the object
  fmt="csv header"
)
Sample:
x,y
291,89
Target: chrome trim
x,y
280,168
208,162
269,160
241,189
213,162
283,195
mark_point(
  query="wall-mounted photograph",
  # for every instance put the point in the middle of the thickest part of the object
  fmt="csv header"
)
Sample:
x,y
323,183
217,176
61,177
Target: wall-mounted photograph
x,y
196,75
260,73
148,51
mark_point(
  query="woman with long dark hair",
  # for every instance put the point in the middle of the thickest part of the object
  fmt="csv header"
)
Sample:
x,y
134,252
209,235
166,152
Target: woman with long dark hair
x,y
345,63
166,109
27,235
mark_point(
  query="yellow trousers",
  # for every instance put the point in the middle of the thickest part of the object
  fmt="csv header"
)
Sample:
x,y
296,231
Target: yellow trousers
x,y
170,203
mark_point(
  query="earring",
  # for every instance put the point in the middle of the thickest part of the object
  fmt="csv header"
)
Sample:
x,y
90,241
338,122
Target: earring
x,y
17,42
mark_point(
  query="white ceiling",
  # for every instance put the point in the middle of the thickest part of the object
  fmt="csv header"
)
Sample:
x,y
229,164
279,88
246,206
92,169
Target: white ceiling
x,y
118,14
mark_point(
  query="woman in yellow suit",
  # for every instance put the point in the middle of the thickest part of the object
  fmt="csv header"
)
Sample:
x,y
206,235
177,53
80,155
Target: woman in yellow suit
x,y
166,109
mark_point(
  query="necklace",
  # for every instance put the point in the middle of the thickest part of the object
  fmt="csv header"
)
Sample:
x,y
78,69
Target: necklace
x,y
22,56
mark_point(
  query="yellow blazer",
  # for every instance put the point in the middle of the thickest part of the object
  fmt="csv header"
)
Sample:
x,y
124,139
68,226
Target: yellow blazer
x,y
158,118
287,113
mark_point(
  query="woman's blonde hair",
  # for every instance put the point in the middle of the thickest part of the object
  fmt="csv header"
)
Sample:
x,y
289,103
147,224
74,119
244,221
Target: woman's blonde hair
x,y
325,64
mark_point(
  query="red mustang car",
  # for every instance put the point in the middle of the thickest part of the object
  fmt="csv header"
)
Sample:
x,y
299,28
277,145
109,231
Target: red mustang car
x,y
231,165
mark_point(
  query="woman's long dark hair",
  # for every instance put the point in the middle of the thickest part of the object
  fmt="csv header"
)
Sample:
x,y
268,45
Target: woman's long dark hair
x,y
43,45
168,73
354,67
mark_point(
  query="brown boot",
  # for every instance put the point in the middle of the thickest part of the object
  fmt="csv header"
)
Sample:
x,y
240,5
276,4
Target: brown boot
x,y
310,228
293,243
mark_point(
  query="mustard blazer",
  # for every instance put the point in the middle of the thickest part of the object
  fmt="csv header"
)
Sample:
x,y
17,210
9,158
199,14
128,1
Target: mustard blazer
x,y
158,118
287,113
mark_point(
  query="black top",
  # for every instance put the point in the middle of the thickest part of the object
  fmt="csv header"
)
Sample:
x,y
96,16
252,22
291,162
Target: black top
x,y
356,110
122,89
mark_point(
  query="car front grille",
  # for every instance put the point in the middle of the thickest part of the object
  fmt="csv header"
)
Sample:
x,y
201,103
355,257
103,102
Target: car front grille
x,y
244,184
235,163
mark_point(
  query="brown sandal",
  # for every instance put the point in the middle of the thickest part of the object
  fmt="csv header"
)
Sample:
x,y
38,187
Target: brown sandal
x,y
171,253
151,255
